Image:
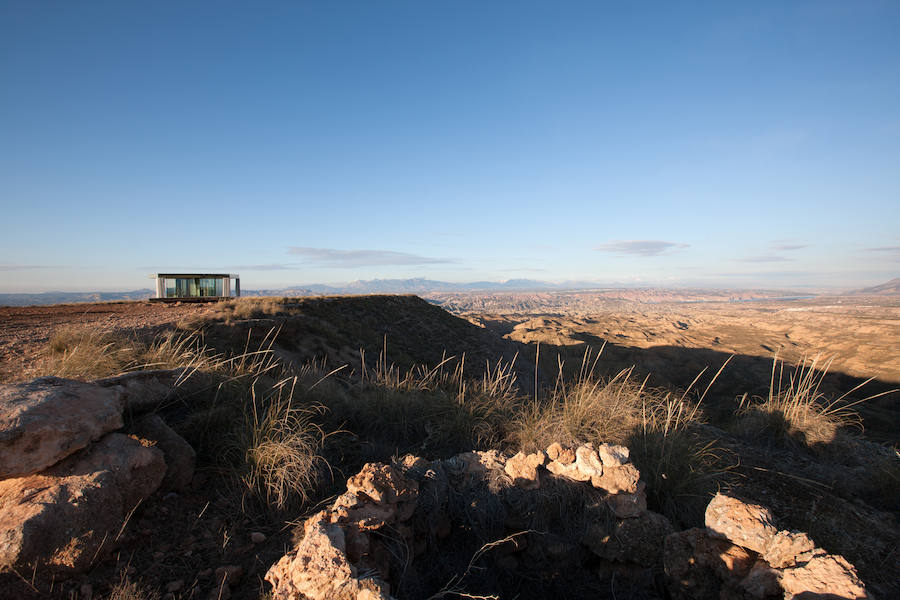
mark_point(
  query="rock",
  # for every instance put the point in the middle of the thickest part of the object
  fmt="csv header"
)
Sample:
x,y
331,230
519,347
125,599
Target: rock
x,y
699,566
630,540
761,581
748,525
612,455
757,562
588,462
556,452
569,471
45,420
143,391
523,469
257,537
175,586
626,506
787,548
180,456
381,484
824,575
615,480
61,518
318,568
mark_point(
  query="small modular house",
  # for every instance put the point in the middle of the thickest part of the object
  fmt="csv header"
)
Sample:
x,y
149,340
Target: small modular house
x,y
192,287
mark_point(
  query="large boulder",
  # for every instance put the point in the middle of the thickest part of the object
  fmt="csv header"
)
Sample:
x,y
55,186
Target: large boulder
x,y
64,517
45,420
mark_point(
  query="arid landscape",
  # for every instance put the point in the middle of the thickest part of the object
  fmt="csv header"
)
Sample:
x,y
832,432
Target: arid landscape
x,y
274,403
398,300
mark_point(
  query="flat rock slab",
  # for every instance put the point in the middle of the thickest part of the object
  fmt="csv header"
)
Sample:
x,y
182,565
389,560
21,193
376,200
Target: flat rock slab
x,y
44,420
61,518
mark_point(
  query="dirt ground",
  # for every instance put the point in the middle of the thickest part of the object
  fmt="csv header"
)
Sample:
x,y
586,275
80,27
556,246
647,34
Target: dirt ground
x,y
26,330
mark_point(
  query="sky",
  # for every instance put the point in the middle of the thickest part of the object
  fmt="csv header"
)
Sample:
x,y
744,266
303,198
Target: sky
x,y
718,144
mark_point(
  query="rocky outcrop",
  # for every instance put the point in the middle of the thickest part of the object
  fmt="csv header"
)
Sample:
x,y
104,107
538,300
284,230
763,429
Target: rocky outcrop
x,y
68,481
742,555
407,510
45,420
61,518
338,544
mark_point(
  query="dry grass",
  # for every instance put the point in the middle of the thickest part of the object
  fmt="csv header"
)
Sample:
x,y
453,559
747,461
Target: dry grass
x,y
252,307
795,412
681,469
126,589
87,353
283,463
429,411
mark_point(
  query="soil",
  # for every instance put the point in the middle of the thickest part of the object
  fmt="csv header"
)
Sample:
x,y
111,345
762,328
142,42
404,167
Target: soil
x,y
26,330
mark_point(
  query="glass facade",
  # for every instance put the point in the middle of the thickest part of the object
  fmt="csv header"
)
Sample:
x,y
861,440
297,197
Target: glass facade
x,y
194,287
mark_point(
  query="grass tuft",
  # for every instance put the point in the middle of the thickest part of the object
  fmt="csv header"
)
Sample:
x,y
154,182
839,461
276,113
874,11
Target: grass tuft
x,y
795,413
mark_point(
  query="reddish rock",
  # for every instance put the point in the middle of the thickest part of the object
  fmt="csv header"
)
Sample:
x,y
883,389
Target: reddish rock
x,y
615,480
612,455
45,420
61,518
557,452
626,506
787,548
523,469
825,575
749,525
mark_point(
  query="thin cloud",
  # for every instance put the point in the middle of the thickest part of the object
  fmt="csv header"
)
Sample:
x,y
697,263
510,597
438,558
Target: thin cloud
x,y
271,267
347,259
884,249
764,258
788,247
23,267
641,247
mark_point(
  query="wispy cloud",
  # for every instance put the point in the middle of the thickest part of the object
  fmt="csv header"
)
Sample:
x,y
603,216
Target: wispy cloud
x,y
23,267
884,249
641,247
270,267
764,258
788,247
346,259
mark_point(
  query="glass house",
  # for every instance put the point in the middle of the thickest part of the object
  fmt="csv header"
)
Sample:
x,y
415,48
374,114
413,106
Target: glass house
x,y
196,287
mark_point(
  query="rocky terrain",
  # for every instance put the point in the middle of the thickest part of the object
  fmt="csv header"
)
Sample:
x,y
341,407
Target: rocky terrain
x,y
293,449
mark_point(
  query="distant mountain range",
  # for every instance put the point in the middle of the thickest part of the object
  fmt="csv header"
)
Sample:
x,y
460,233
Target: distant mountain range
x,y
71,297
374,286
421,285
891,288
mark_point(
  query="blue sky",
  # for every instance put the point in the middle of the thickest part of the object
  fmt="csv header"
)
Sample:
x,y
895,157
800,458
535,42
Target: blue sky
x,y
722,144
